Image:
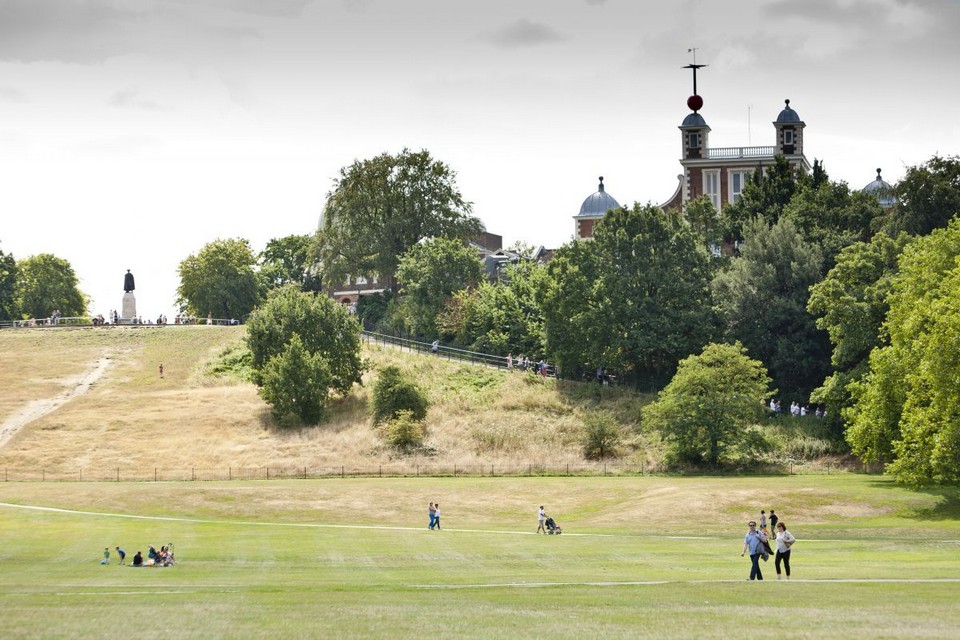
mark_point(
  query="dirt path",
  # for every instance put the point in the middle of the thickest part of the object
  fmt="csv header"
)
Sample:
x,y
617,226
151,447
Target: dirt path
x,y
76,386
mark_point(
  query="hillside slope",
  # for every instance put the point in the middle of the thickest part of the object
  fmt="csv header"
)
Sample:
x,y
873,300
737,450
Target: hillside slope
x,y
129,417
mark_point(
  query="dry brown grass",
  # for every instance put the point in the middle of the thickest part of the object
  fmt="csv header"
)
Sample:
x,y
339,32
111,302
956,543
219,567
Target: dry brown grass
x,y
132,418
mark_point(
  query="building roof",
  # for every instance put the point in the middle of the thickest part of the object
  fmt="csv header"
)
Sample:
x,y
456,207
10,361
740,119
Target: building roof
x,y
597,204
694,120
788,115
882,191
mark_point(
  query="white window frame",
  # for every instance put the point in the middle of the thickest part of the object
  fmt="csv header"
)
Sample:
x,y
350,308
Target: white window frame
x,y
693,140
712,175
734,193
788,136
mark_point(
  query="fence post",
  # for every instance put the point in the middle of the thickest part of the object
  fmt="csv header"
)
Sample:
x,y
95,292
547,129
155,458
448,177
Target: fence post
x,y
491,471
341,471
154,474
229,473
268,473
118,474
381,471
418,471
81,474
454,471
304,472
193,473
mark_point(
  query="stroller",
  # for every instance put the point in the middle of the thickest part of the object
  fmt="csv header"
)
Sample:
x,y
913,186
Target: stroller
x,y
552,528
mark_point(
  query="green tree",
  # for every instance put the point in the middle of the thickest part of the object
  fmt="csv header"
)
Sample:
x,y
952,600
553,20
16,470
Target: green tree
x,y
762,299
220,280
393,393
286,261
324,327
908,406
8,287
651,305
379,208
499,317
296,382
705,222
928,197
832,217
765,195
850,304
706,410
601,436
46,283
568,298
428,273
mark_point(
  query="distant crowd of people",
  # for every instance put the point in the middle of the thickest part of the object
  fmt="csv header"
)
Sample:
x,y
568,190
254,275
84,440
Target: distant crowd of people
x,y
797,409
162,558
523,363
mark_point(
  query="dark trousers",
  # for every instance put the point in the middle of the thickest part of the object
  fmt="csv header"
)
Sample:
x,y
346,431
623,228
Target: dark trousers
x,y
755,567
785,556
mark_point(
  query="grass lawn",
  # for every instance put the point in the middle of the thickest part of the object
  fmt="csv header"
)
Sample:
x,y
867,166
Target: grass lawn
x,y
352,558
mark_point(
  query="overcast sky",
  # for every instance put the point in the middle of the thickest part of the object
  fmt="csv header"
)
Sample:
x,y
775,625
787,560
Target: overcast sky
x,y
132,132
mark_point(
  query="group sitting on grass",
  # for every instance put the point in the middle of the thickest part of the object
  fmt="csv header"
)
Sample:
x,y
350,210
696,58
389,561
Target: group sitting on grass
x,y
162,558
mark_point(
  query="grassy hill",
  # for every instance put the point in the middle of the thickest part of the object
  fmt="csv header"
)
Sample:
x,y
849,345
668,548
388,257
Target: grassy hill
x,y
195,416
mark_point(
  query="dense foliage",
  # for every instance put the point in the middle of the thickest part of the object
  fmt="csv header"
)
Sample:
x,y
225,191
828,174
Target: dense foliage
x,y
220,280
706,411
8,287
907,408
296,382
394,392
381,207
46,283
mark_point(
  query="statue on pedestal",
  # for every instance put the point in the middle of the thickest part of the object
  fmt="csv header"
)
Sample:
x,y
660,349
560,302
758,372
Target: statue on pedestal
x,y
129,307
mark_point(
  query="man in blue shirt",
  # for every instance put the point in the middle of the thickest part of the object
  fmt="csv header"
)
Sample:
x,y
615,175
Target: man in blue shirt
x,y
753,542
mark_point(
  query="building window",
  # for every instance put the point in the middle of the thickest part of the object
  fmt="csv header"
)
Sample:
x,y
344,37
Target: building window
x,y
788,136
711,187
346,282
738,180
361,280
693,140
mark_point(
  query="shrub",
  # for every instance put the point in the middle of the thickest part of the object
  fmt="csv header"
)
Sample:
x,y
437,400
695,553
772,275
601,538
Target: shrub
x,y
602,435
394,393
296,382
403,432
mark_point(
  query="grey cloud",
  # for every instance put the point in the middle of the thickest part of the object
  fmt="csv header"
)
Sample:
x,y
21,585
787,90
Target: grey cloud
x,y
130,99
524,33
357,6
595,3
10,94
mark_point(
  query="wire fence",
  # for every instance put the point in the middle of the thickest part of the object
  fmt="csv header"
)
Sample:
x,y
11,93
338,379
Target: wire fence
x,y
411,470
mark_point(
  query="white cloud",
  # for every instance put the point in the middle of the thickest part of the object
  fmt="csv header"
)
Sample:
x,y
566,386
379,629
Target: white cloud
x,y
525,33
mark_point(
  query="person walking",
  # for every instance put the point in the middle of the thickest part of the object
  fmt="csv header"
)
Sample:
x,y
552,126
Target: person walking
x,y
541,518
763,519
161,371
753,542
773,521
436,516
785,541
432,512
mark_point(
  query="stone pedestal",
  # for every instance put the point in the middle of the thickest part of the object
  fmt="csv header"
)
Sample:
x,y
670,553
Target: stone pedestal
x,y
129,309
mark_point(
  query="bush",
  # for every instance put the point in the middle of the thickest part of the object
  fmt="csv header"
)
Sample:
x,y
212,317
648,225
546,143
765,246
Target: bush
x,y
296,382
394,393
602,436
403,432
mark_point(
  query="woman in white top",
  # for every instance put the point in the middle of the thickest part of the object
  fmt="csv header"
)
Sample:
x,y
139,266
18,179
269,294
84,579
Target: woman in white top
x,y
785,540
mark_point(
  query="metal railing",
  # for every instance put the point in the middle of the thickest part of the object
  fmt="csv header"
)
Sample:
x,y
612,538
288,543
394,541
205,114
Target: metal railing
x,y
741,152
88,321
450,353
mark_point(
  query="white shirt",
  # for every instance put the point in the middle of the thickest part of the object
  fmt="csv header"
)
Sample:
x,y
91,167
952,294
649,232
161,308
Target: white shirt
x,y
541,514
783,539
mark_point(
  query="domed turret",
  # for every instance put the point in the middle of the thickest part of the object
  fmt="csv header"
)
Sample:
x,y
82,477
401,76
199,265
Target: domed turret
x,y
788,115
598,203
882,191
789,128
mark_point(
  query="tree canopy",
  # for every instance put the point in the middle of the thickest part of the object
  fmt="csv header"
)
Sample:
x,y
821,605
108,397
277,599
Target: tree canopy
x,y
46,283
220,279
907,408
928,197
286,261
8,287
429,273
706,410
381,207
762,299
323,326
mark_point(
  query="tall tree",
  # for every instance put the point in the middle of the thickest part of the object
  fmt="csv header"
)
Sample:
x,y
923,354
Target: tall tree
x,y
706,410
764,196
762,298
8,287
429,273
634,300
323,326
928,197
286,261
46,283
850,304
908,407
381,207
220,280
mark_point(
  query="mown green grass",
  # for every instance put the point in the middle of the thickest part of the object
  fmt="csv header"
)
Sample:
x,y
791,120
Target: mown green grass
x,y
305,559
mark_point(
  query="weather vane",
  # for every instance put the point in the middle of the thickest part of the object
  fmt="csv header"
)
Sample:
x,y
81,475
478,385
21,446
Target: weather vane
x,y
695,102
